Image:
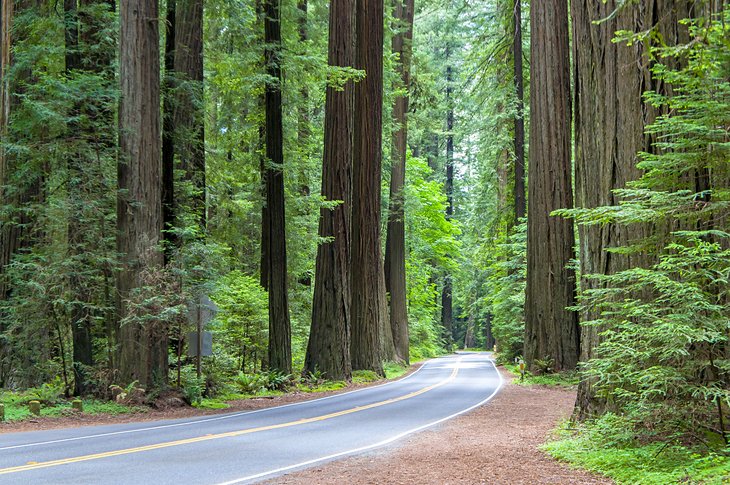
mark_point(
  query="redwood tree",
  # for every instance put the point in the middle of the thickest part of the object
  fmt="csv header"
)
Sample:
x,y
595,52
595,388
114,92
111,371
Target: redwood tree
x,y
609,134
279,325
551,330
143,348
328,349
367,295
395,245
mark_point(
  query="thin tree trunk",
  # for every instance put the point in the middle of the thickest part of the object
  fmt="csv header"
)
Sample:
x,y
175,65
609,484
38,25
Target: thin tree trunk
x,y
551,330
519,142
367,296
395,245
447,312
279,325
328,350
168,135
143,349
80,315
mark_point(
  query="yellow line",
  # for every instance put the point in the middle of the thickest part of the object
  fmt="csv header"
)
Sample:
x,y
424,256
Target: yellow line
x,y
230,434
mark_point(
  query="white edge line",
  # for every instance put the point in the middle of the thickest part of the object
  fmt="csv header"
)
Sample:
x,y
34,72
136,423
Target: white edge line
x,y
370,447
207,420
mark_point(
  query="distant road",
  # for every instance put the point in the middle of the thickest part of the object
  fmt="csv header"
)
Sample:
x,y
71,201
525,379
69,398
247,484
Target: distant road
x,y
256,445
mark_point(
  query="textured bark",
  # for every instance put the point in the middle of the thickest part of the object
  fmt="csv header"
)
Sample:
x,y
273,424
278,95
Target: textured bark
x,y
189,133
328,349
367,298
447,311
143,349
551,331
610,118
395,243
279,324
519,142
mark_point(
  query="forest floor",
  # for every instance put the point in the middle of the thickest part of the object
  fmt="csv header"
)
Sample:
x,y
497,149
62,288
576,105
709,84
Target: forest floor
x,y
497,443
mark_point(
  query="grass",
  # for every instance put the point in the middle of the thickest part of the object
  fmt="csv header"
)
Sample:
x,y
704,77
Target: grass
x,y
17,410
641,464
559,379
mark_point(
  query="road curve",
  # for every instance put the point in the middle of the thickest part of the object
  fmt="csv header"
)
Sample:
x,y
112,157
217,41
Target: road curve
x,y
249,446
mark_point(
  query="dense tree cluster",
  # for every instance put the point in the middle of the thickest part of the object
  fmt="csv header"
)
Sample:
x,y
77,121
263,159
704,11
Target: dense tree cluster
x,y
353,182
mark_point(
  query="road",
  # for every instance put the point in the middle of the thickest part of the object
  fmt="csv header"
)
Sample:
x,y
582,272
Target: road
x,y
256,445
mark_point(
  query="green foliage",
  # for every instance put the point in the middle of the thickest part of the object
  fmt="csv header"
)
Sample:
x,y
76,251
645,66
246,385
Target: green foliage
x,y
242,324
608,446
508,278
430,239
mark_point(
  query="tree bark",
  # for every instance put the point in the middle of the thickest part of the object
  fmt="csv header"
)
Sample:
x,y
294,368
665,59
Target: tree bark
x,y
279,324
189,128
609,134
367,298
519,142
328,349
551,331
395,243
143,349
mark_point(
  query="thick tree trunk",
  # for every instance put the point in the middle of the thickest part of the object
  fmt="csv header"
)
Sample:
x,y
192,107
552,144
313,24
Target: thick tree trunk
x,y
189,132
395,245
328,349
519,142
367,297
551,331
609,134
143,349
279,325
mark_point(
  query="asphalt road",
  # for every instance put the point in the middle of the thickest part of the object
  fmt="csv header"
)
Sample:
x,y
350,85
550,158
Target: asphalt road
x,y
250,446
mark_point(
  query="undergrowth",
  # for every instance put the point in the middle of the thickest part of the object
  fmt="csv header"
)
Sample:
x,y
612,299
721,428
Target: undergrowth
x,y
609,446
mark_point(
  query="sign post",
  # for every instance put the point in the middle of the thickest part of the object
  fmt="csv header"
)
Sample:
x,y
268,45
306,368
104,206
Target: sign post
x,y
201,342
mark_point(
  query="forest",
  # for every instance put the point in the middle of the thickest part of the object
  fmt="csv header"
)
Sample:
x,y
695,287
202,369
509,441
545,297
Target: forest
x,y
332,189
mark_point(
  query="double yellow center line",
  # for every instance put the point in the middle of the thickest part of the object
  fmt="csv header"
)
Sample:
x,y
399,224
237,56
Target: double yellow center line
x,y
230,434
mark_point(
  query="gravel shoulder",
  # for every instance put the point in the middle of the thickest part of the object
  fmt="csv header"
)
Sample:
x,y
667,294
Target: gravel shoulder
x,y
495,444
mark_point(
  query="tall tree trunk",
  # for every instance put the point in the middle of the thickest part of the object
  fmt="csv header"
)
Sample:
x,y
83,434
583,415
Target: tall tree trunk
x,y
279,325
168,135
395,245
80,316
447,311
328,349
367,298
551,331
519,142
610,133
303,118
189,129
143,349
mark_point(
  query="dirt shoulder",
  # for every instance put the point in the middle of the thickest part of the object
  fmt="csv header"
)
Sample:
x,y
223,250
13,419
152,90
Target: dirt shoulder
x,y
495,444
75,420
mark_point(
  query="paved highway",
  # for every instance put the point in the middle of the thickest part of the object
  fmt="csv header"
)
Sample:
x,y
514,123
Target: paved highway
x,y
249,446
